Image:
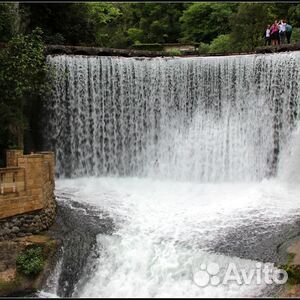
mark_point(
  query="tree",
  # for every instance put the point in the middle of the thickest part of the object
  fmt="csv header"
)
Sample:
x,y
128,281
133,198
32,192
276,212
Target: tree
x,y
22,80
294,15
202,22
158,21
278,11
72,23
100,15
68,21
248,25
9,20
135,35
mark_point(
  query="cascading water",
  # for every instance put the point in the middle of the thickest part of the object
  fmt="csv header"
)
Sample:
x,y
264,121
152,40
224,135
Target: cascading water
x,y
183,155
203,119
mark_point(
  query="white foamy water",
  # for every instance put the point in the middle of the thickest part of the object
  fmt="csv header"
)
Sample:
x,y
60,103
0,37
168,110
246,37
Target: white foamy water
x,y
165,230
289,164
192,148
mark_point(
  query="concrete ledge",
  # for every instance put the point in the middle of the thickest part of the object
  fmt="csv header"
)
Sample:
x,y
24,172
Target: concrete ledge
x,y
98,51
279,48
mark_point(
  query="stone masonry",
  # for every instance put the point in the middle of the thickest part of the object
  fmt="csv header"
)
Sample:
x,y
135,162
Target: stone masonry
x,y
27,201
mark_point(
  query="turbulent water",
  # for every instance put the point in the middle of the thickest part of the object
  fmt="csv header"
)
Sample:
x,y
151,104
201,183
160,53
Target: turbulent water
x,y
201,119
196,160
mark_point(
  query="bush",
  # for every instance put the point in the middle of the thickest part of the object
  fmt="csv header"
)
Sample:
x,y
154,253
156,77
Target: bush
x,y
174,52
135,35
31,260
221,44
295,38
204,48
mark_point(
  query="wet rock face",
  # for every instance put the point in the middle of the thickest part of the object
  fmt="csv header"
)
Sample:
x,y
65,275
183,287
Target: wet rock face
x,y
260,241
76,227
27,224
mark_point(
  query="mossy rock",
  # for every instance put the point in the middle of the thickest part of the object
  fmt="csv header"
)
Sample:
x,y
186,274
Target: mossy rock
x,y
293,273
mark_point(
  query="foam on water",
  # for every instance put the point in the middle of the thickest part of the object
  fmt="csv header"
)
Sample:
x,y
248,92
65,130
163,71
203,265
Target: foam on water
x,y
165,230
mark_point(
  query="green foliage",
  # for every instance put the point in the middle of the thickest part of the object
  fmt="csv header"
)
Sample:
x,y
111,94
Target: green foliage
x,y
159,21
102,13
22,80
174,52
203,48
100,16
295,37
56,39
135,35
202,22
31,261
248,25
293,15
73,23
121,25
9,21
221,44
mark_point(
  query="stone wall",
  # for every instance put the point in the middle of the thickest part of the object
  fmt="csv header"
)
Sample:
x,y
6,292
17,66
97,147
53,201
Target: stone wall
x,y
188,50
27,201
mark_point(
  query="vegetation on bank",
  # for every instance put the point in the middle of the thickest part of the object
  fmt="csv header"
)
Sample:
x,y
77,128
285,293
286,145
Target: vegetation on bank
x,y
22,82
31,261
120,25
28,261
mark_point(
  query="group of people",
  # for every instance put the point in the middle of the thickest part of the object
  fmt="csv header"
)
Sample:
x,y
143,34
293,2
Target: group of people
x,y
278,33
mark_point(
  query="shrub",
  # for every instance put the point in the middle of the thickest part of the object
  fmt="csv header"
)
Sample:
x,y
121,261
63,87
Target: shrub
x,y
221,44
174,52
204,48
31,260
135,35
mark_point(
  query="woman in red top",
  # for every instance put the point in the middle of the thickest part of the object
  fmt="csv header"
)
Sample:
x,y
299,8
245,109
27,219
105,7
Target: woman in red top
x,y
274,30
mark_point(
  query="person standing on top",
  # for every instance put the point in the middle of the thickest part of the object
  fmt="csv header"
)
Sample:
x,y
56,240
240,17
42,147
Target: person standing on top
x,y
267,36
282,29
274,30
288,32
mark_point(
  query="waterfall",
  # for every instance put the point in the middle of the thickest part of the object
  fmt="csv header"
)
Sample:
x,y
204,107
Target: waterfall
x,y
289,166
213,128
210,119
